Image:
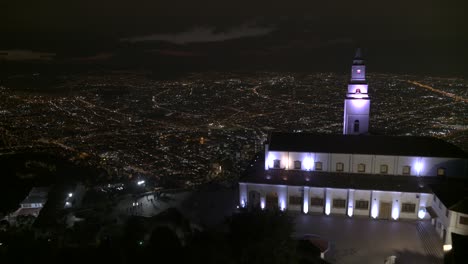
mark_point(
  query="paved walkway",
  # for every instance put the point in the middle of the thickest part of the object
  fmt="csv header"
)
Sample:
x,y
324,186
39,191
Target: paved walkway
x,y
363,240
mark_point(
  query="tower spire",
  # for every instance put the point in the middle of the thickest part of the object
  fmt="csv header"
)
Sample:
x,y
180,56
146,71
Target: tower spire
x,y
357,102
358,60
358,54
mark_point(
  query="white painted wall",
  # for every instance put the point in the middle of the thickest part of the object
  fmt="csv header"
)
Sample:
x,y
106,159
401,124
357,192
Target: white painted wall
x,y
336,194
419,166
316,193
365,196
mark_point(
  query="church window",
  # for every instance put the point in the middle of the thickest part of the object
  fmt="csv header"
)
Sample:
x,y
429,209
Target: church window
x,y
272,200
297,165
318,165
463,220
316,201
339,203
363,205
276,163
361,167
295,200
441,172
406,170
408,207
383,168
356,126
339,166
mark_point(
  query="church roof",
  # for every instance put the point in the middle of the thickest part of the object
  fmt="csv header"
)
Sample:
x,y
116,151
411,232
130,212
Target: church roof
x,y
453,194
364,144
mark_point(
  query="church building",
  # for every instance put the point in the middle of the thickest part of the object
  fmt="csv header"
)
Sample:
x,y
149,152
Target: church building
x,y
356,174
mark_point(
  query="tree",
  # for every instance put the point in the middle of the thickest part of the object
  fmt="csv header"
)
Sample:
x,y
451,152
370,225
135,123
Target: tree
x,y
262,237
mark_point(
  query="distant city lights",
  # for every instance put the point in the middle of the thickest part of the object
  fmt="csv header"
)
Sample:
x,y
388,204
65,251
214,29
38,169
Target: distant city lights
x,y
141,182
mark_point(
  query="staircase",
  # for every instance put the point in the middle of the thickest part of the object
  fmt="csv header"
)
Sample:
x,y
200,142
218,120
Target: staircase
x,y
431,242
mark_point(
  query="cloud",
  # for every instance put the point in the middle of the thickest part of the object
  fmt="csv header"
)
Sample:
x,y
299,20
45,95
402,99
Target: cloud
x,y
24,55
201,34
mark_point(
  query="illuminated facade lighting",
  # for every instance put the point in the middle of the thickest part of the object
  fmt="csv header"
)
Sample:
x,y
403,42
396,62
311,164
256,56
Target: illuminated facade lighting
x,y
374,210
327,207
447,247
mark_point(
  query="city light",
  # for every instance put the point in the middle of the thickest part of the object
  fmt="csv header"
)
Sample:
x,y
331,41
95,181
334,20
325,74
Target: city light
x,y
306,207
141,182
447,247
262,203
70,195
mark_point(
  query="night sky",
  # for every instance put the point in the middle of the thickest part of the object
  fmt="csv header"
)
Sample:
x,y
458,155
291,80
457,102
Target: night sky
x,y
400,36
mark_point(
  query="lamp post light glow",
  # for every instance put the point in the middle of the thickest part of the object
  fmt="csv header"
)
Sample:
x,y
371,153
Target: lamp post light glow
x,y
70,195
262,203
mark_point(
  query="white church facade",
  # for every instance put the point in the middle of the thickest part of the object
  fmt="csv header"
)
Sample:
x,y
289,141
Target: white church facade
x,y
354,174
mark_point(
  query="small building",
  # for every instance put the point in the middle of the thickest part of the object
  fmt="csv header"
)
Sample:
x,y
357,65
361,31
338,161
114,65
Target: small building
x,y
450,207
31,205
36,198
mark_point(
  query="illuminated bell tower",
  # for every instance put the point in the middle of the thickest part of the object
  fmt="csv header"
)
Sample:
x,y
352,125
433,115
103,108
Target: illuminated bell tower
x,y
357,102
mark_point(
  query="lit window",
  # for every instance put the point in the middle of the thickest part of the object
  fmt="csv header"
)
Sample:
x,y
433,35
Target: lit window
x,y
316,201
441,172
406,170
339,203
361,167
383,168
297,165
276,164
318,165
272,200
358,71
339,166
295,200
362,205
408,208
463,220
